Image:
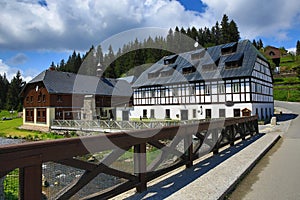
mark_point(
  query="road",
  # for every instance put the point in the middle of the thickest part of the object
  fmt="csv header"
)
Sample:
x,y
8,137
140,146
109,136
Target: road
x,y
277,175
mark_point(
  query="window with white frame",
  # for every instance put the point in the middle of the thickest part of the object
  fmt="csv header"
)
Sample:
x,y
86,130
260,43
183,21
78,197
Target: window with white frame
x,y
207,89
236,87
221,88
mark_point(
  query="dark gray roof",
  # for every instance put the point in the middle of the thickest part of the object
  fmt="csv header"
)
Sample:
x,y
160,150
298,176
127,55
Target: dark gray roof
x,y
129,79
245,51
57,82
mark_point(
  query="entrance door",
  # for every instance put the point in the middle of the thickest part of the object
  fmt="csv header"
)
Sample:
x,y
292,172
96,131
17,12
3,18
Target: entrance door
x,y
125,115
236,112
184,114
208,113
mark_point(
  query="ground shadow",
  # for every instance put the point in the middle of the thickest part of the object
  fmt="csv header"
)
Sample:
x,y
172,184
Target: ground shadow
x,y
174,183
285,117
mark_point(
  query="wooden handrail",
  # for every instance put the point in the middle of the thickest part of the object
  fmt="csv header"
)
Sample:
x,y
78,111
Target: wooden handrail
x,y
30,156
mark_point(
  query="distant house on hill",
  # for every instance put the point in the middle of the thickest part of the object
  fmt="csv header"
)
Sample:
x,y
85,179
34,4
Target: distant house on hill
x,y
273,53
229,80
62,95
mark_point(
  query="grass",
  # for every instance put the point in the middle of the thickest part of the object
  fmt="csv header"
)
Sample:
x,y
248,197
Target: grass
x,y
11,185
10,129
7,114
287,93
287,89
286,80
289,61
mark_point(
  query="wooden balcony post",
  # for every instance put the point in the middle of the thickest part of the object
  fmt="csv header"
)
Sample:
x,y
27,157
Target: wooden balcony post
x,y
140,166
30,182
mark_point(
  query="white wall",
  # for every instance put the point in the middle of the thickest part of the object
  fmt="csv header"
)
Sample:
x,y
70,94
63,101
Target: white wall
x,y
137,111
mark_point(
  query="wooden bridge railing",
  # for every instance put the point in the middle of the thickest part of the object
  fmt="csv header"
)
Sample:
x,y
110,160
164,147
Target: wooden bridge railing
x,y
29,157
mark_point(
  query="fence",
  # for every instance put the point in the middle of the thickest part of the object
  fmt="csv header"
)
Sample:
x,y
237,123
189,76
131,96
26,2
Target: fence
x,y
90,125
148,153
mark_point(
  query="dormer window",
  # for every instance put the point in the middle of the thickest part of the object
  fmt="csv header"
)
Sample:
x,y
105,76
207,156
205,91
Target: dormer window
x,y
168,70
234,61
154,73
229,48
209,67
197,55
170,59
188,70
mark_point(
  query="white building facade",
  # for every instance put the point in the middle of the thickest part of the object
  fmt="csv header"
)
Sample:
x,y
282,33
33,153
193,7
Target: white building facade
x,y
230,80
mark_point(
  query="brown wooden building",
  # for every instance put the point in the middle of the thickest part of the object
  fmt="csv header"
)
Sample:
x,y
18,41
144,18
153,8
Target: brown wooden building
x,y
62,95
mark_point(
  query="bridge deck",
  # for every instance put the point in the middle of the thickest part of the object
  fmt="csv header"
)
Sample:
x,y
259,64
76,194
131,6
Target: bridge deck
x,y
210,178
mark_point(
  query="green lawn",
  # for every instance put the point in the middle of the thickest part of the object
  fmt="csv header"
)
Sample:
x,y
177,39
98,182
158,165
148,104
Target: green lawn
x,y
290,61
10,129
287,92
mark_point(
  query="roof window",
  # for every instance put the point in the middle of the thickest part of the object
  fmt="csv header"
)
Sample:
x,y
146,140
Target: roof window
x,y
170,59
168,71
209,67
188,70
229,48
234,61
197,55
154,73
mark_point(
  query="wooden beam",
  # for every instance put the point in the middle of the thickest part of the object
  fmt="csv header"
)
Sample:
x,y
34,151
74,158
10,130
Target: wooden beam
x,y
30,182
140,166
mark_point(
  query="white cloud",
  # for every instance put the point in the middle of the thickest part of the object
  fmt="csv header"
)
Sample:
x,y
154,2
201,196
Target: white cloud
x,y
258,18
78,24
56,24
10,72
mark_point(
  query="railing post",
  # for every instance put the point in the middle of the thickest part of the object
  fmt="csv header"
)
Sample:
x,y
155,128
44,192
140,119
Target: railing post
x,y
231,133
140,166
256,126
215,139
30,183
188,146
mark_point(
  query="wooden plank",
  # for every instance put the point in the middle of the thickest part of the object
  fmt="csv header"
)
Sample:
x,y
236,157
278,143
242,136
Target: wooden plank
x,y
140,166
161,157
30,182
188,147
74,187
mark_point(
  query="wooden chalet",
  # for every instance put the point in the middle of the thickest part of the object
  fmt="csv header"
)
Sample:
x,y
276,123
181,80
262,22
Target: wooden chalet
x,y
62,95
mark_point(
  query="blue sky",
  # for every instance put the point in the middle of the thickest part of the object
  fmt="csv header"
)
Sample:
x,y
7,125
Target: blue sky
x,y
33,33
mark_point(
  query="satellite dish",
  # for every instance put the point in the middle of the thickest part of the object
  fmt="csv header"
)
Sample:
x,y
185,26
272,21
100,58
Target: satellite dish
x,y
196,44
36,88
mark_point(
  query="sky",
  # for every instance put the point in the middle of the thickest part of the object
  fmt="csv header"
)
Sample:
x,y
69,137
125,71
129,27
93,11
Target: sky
x,y
33,33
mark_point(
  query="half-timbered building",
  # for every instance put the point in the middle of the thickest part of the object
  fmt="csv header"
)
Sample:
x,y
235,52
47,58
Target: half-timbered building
x,y
62,95
228,80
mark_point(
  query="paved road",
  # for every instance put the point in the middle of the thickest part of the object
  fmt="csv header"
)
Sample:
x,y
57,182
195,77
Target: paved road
x,y
277,175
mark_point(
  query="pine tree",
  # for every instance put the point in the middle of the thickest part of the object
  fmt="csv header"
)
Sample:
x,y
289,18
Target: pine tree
x,y
3,90
13,101
109,63
225,29
254,43
260,44
233,32
298,48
